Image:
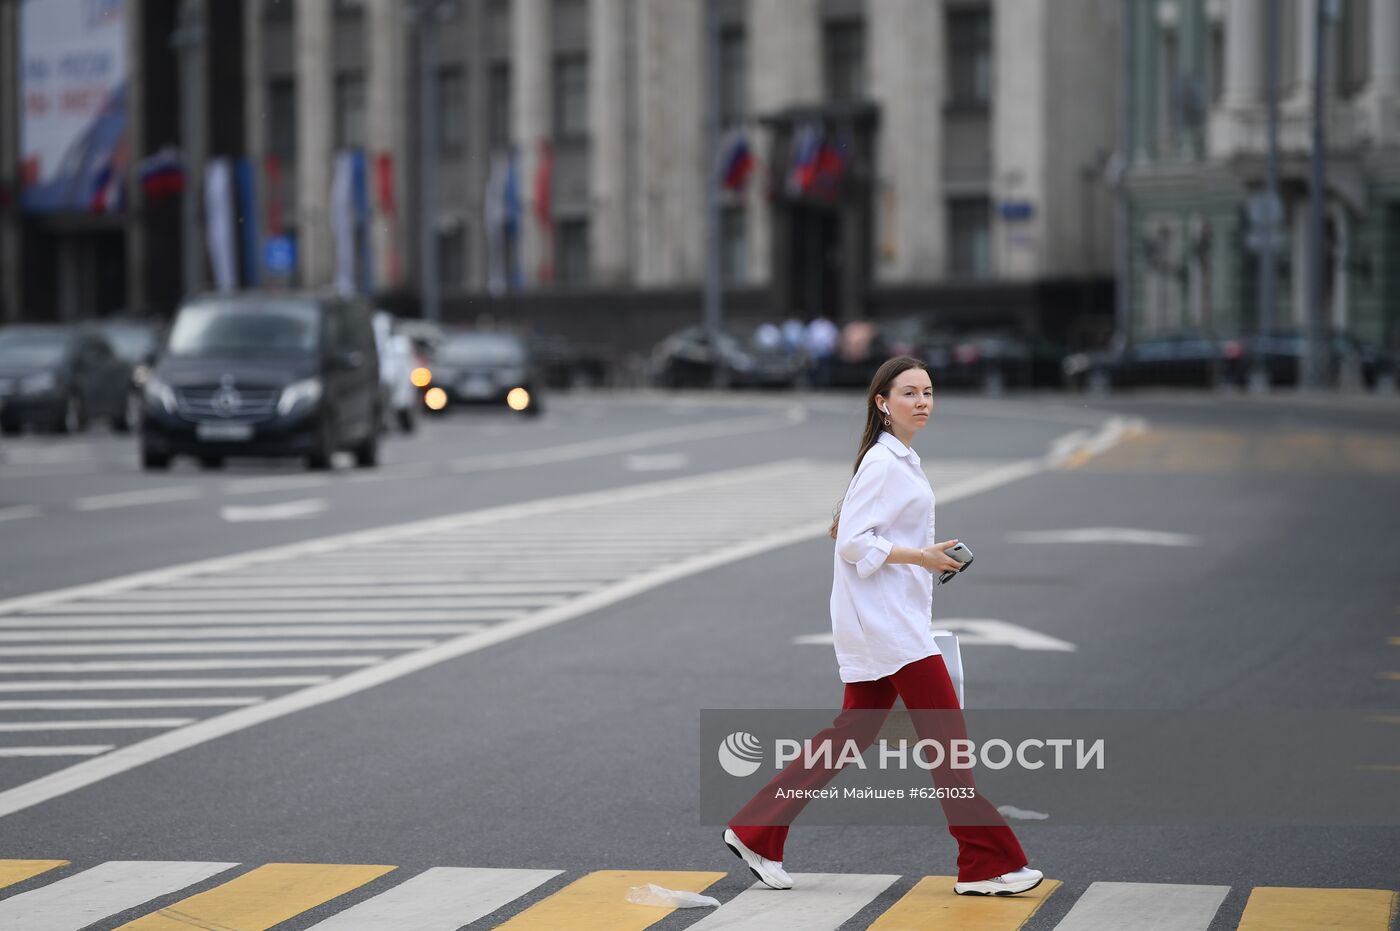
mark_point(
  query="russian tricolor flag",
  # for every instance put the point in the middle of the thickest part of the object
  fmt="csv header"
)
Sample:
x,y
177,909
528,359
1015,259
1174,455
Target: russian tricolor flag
x,y
736,161
161,175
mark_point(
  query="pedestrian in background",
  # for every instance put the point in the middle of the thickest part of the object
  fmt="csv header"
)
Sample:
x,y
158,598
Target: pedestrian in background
x,y
881,605
820,342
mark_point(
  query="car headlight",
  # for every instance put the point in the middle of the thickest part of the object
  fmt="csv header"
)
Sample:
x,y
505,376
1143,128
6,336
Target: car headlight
x,y
299,394
158,393
38,384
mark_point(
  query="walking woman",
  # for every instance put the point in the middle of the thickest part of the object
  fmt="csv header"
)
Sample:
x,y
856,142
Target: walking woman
x,y
881,601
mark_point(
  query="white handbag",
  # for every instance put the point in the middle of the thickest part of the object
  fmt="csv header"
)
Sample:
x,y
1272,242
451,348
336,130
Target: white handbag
x,y
947,643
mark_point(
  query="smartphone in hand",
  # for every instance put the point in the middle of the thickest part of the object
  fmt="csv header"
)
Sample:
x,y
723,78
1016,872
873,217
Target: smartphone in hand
x,y
962,554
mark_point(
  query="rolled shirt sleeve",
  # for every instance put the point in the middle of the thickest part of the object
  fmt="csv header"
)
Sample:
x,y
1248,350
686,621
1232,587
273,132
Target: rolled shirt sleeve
x,y
858,538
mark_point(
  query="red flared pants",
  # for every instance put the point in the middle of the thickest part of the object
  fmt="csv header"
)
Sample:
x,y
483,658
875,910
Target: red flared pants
x,y
986,848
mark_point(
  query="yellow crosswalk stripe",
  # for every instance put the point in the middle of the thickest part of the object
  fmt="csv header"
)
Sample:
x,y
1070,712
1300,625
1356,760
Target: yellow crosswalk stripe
x,y
261,898
1272,908
598,902
17,871
932,906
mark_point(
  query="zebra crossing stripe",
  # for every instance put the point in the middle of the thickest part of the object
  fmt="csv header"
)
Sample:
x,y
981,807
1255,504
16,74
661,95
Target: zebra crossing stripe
x,y
103,891
1159,906
440,899
598,902
817,902
1275,909
17,871
932,906
261,898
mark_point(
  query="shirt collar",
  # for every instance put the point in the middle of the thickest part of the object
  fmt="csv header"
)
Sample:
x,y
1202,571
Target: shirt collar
x,y
891,441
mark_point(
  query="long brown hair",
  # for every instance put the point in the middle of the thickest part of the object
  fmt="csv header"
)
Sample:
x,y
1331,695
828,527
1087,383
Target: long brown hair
x,y
874,417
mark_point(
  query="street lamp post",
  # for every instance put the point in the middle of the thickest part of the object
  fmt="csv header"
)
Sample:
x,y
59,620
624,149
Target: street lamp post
x,y
1316,357
188,42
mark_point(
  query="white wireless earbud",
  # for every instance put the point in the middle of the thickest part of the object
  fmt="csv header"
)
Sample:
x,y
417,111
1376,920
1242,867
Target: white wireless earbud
x,y
886,411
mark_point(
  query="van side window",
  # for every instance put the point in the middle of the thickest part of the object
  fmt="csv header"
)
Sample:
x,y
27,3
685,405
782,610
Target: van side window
x,y
335,330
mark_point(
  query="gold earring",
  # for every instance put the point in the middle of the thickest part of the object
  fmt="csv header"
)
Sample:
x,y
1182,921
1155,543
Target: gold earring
x,y
887,421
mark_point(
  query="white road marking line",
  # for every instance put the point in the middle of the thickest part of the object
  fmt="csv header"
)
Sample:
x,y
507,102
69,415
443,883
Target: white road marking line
x,y
114,685
134,755
628,443
81,750
977,631
253,486
439,899
287,510
239,646
403,605
1106,535
286,588
107,889
818,902
296,617
96,704
1108,906
107,724
270,632
127,499
20,512
189,665
658,463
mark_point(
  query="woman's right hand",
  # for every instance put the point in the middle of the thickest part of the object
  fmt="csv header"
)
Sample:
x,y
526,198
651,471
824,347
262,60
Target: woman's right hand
x,y
937,561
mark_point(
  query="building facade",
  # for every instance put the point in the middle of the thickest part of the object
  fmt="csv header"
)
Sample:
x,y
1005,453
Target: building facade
x,y
955,153
1198,157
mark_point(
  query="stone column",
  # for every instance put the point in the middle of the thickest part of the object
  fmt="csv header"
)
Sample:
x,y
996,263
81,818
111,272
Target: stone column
x,y
785,55
11,267
530,64
1245,72
1382,97
607,112
906,79
386,134
1144,34
315,122
1191,59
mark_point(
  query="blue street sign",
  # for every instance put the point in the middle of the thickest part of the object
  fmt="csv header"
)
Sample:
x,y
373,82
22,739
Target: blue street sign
x,y
1017,210
280,255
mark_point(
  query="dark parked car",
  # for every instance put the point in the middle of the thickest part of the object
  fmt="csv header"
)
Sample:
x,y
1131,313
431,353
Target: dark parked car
x,y
1181,360
993,361
137,341
565,363
690,358
58,377
264,375
484,368
1282,355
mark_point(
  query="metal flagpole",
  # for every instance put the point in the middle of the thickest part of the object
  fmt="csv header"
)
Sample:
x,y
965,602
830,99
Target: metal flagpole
x,y
714,297
1315,359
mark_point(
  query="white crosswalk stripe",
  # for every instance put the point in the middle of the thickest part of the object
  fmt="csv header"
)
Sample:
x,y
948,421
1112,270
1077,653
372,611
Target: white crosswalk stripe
x,y
1107,906
362,599
817,902
440,899
104,890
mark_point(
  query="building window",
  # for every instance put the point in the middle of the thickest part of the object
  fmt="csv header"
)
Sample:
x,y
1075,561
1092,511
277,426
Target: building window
x,y
277,9
733,75
969,37
350,111
969,236
1353,58
349,7
282,120
571,240
570,96
452,258
498,105
734,245
844,50
451,110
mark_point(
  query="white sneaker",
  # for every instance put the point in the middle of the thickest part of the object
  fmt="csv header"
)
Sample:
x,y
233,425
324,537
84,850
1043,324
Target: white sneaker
x,y
769,872
1023,880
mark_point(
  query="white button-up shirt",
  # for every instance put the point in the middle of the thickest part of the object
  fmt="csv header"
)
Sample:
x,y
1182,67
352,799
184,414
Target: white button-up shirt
x,y
880,614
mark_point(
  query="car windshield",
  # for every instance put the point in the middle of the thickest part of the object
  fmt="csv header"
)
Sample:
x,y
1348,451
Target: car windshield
x,y
216,328
133,344
32,348
481,349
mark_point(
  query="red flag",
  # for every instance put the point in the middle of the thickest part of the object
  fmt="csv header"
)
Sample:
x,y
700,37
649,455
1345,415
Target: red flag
x,y
544,213
384,184
272,167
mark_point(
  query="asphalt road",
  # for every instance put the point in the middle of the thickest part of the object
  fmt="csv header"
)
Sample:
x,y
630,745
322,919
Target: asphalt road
x,y
625,562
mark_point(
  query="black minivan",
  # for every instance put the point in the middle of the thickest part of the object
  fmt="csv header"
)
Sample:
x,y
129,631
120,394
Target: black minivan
x,y
276,374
